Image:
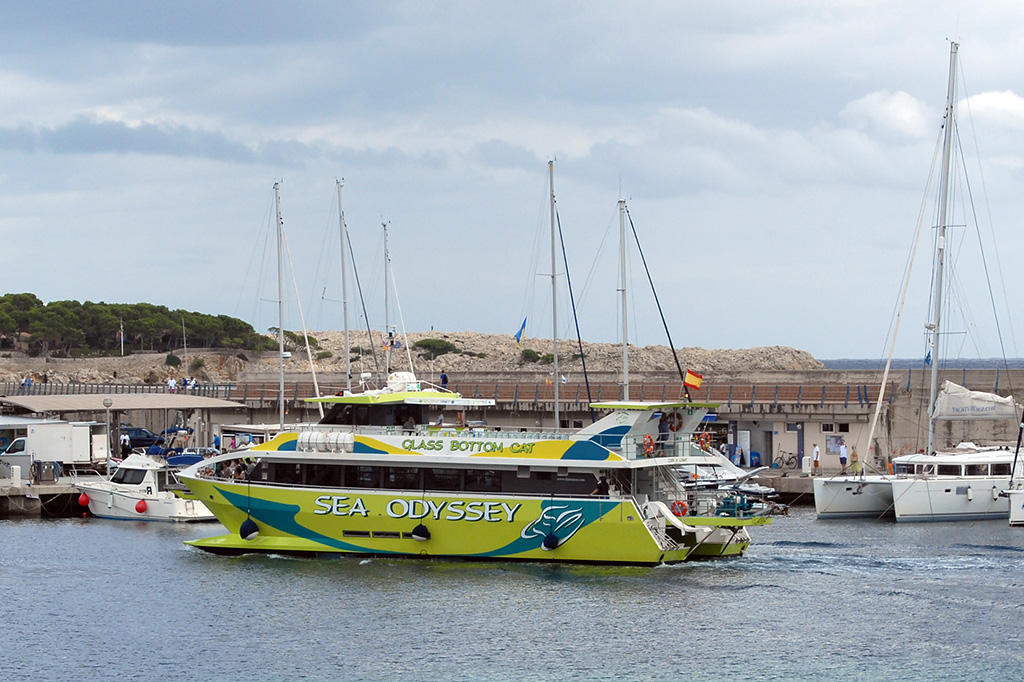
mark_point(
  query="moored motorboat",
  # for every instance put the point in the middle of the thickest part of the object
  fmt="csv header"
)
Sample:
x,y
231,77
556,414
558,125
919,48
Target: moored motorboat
x,y
376,478
140,489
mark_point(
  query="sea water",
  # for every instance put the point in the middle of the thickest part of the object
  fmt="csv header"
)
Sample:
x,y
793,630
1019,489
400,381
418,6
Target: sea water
x,y
89,599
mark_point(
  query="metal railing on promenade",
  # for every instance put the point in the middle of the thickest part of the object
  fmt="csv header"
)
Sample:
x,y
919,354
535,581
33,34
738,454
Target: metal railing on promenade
x,y
15,388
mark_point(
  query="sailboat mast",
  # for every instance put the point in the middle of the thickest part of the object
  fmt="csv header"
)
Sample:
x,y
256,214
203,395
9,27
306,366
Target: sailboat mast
x,y
184,345
625,317
387,311
344,285
280,302
940,243
554,289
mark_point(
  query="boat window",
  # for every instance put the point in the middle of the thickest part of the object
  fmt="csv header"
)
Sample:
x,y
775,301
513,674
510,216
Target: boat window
x,y
441,479
903,468
129,476
287,473
323,475
977,470
1000,469
263,469
483,480
949,470
924,468
360,477
161,480
401,477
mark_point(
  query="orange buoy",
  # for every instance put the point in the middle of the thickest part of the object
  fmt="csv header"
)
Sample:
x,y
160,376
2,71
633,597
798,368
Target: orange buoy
x,y
140,506
83,500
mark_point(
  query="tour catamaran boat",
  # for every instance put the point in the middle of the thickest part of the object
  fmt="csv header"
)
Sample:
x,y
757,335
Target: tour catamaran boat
x,y
377,477
140,489
935,486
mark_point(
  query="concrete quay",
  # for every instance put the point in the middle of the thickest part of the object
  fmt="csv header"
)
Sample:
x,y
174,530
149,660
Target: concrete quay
x,y
793,487
38,500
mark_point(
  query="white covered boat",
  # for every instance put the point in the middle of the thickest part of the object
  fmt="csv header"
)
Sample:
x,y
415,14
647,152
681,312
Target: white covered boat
x,y
140,489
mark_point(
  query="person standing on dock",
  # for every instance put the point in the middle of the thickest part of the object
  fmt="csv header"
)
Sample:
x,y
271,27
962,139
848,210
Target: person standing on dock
x,y
126,444
842,455
444,381
817,460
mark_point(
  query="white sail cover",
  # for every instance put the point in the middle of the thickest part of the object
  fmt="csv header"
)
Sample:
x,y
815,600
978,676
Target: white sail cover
x,y
956,402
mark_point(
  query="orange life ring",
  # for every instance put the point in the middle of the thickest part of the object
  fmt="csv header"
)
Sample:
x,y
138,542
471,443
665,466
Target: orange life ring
x,y
704,440
648,444
679,508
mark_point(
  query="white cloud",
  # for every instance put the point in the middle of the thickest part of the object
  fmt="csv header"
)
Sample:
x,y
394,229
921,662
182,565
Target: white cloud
x,y
1005,108
891,113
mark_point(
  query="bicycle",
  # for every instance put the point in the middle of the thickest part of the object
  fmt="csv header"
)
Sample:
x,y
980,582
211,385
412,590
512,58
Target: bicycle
x,y
784,460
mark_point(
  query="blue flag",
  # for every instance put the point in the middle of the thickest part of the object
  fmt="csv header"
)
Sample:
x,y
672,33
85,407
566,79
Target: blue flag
x,y
519,334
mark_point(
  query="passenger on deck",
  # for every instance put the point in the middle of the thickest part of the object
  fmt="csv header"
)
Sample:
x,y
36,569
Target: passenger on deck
x,y
410,425
602,488
663,431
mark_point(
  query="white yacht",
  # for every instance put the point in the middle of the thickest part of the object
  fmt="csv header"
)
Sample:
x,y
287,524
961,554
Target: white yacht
x,y
963,485
140,489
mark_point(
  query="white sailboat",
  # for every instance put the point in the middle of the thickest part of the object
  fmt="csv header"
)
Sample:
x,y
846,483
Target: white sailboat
x,y
963,484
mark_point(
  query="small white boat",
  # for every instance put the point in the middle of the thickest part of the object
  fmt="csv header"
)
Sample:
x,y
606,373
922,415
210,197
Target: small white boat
x,y
140,489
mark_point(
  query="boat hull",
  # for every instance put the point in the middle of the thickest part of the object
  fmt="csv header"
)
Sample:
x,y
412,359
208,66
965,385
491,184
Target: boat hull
x,y
846,497
1015,502
458,525
937,499
107,501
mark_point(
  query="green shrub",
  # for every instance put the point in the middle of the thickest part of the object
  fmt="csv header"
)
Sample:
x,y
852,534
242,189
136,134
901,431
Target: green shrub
x,y
172,360
529,355
433,348
324,354
547,359
197,363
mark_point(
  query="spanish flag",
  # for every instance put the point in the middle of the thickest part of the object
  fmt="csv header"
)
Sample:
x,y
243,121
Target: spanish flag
x,y
692,379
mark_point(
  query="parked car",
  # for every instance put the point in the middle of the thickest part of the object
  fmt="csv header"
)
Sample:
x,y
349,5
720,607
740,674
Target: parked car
x,y
140,437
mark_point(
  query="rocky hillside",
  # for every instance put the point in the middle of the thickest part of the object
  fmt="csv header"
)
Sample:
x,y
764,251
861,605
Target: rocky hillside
x,y
459,352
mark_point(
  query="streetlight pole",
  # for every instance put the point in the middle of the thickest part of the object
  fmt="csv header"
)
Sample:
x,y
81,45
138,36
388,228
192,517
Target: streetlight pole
x,y
107,402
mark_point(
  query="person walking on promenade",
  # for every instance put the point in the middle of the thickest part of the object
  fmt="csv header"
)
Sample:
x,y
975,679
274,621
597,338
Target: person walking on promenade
x,y
842,455
817,460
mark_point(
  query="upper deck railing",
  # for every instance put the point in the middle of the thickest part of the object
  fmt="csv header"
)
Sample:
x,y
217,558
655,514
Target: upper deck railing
x,y
514,396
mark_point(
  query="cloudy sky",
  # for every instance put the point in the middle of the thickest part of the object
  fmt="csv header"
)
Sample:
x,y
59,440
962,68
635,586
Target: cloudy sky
x,y
774,158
